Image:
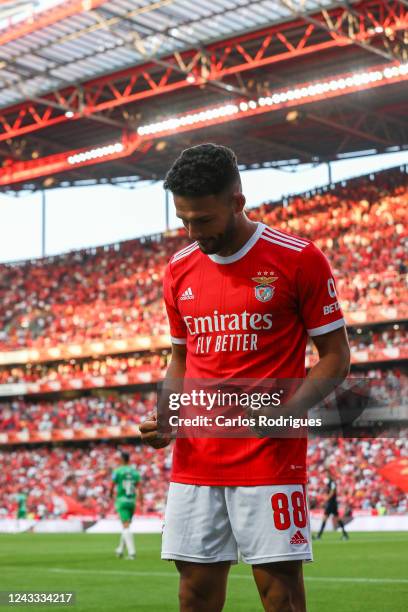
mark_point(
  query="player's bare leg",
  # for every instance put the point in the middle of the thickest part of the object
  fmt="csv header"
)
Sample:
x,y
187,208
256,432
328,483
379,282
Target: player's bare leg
x,y
203,586
323,525
281,586
337,522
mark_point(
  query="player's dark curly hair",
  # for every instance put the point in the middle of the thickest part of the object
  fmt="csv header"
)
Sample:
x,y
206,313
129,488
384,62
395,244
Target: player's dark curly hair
x,y
206,169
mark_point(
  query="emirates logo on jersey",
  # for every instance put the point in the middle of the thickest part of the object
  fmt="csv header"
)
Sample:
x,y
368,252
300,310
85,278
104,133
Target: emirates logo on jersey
x,y
263,290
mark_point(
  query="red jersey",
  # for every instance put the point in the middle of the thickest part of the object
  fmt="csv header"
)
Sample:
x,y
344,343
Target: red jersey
x,y
248,315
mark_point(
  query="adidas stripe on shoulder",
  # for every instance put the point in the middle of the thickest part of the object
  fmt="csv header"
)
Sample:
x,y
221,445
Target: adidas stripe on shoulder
x,y
281,239
184,252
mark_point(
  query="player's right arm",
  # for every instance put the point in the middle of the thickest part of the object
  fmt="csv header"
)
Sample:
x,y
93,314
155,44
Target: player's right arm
x,y
173,383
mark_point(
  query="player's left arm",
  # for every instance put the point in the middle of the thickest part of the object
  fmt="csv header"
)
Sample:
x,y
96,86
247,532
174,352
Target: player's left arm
x,y
334,355
331,369
322,316
323,319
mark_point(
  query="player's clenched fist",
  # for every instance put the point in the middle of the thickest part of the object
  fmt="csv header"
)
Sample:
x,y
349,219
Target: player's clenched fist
x,y
150,434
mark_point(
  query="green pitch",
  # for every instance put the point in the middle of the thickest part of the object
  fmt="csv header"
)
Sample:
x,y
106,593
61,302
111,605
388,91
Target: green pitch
x,y
368,573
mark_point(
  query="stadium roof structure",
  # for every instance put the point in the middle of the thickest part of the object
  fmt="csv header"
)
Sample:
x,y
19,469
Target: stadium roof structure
x,y
94,91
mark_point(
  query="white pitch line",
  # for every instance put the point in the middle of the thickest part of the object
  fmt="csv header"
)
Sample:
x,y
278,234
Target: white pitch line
x,y
353,540
60,570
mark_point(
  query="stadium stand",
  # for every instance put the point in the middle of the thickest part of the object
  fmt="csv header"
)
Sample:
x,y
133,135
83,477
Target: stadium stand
x,y
104,372
122,409
79,473
113,410
83,473
107,371
46,302
356,464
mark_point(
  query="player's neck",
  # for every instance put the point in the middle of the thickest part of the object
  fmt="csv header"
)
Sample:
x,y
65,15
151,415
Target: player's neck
x,y
243,233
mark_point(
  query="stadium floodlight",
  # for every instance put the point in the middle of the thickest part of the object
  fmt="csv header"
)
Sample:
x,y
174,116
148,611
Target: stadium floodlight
x,y
301,93
96,153
173,123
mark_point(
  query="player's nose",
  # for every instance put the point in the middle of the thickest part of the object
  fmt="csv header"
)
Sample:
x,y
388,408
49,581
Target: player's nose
x,y
193,232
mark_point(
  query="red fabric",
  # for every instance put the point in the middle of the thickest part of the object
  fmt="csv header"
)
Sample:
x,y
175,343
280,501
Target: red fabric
x,y
69,506
397,473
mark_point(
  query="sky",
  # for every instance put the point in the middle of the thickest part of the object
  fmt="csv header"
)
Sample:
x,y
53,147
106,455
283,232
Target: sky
x,y
81,217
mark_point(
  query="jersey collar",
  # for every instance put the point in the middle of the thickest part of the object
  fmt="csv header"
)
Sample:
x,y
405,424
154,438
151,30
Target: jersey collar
x,y
219,259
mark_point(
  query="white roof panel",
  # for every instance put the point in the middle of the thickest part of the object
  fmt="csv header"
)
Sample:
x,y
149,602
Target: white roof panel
x,y
90,44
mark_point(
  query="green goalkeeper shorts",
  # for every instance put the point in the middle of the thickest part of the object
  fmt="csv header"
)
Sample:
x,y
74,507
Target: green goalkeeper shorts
x,y
125,508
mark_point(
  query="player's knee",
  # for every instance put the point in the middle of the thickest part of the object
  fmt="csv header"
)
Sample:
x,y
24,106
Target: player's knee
x,y
195,598
282,590
277,598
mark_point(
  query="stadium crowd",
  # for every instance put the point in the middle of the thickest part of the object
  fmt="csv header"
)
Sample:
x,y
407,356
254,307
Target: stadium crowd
x,y
48,474
356,464
109,410
361,227
114,292
391,341
113,370
89,372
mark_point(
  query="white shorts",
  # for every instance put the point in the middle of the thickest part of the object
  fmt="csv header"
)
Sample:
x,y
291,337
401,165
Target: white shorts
x,y
265,524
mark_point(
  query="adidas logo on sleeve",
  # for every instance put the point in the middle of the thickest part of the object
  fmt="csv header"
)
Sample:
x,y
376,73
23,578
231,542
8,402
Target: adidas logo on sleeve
x,y
187,294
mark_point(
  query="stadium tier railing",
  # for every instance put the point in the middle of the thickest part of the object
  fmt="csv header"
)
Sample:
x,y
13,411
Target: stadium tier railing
x,y
143,377
96,432
379,314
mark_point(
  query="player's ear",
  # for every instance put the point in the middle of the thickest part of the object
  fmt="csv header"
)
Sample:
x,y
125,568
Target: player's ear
x,y
239,201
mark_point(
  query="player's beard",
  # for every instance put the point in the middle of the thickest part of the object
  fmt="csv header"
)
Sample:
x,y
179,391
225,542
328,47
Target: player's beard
x,y
213,245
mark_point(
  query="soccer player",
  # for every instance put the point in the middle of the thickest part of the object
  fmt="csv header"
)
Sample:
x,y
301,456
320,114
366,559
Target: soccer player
x,y
126,480
21,499
242,300
331,508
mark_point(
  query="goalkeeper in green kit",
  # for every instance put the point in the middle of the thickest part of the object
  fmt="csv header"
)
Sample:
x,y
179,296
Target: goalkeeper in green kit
x,y
126,480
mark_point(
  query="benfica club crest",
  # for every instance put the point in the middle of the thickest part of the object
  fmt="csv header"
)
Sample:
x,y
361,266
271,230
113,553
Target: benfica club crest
x,y
264,291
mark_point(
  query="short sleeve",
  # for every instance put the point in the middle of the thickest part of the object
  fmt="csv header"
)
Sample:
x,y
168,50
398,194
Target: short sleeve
x,y
319,306
114,476
178,331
